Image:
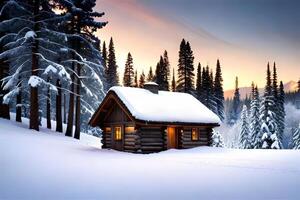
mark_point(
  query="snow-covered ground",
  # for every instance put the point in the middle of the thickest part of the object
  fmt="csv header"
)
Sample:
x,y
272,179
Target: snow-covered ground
x,y
48,165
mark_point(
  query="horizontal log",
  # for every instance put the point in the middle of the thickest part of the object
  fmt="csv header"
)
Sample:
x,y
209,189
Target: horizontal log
x,y
151,148
130,140
131,147
152,140
152,144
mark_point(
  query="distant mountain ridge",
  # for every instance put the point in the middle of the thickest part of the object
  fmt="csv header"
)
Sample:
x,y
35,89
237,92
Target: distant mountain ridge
x,y
288,87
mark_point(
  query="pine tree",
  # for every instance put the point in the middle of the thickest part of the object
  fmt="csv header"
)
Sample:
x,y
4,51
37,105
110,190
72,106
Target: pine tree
x,y
112,74
269,128
173,82
150,76
235,110
185,80
128,79
136,84
280,112
254,118
57,38
165,70
142,80
104,59
218,92
159,76
276,100
244,138
212,98
205,86
199,83
296,138
217,139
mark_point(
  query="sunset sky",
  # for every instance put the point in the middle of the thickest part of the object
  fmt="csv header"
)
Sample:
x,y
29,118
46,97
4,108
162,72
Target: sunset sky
x,y
243,34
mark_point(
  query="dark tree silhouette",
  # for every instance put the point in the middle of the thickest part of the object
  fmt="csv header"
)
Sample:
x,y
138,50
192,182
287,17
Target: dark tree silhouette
x,y
128,79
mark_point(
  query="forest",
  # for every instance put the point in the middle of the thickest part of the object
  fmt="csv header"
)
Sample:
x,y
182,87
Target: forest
x,y
54,66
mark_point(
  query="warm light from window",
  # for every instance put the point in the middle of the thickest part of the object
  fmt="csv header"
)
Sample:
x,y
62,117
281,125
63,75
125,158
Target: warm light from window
x,y
129,129
107,129
195,134
118,133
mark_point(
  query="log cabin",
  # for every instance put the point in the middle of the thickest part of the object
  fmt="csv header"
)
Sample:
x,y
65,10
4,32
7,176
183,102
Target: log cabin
x,y
146,120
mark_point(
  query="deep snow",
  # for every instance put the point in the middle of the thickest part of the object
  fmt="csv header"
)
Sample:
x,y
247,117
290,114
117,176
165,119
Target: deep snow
x,y
48,165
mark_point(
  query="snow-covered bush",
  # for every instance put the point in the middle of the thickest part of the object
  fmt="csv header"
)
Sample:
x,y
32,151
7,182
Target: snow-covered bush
x,y
217,139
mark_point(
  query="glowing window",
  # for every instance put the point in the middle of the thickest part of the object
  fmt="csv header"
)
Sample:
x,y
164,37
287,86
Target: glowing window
x,y
118,133
107,129
129,129
195,134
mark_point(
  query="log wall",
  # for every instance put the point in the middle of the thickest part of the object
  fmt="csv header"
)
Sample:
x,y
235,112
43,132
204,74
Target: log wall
x,y
106,140
132,142
186,138
152,139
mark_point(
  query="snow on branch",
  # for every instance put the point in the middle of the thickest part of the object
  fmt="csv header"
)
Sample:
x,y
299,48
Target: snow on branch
x,y
35,81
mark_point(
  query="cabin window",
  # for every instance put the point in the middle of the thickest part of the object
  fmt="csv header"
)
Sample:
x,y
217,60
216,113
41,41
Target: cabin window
x,y
195,134
129,129
107,129
118,133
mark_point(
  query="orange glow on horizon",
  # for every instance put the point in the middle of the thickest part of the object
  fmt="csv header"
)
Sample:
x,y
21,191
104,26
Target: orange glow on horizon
x,y
146,36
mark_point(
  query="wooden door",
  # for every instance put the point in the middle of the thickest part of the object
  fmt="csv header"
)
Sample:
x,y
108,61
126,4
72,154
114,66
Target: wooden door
x,y
171,133
117,138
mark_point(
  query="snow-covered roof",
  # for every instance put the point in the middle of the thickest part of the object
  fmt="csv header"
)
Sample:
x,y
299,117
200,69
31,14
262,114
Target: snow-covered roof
x,y
164,106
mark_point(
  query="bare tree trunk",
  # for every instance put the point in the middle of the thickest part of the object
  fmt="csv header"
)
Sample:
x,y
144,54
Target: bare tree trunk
x,y
48,108
69,131
19,107
58,107
34,104
65,109
78,109
4,108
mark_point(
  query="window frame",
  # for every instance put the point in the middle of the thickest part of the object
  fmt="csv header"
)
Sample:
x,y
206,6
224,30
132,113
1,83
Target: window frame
x,y
197,134
115,133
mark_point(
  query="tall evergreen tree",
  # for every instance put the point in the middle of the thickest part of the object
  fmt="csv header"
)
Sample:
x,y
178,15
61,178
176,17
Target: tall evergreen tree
x,y
254,118
112,73
185,80
142,80
235,110
244,138
104,58
173,82
150,76
128,79
269,128
281,112
218,92
212,99
159,73
199,83
165,70
207,96
135,84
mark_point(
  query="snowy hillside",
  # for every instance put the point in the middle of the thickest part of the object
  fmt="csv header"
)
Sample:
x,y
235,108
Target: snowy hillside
x,y
288,87
47,165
